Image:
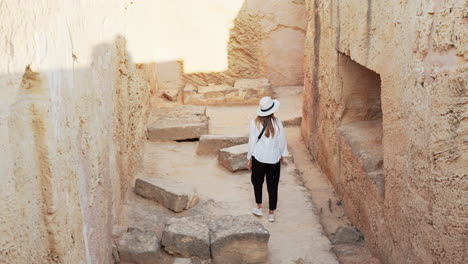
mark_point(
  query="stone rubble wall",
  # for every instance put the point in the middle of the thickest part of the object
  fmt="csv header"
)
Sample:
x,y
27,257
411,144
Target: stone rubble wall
x,y
418,49
73,111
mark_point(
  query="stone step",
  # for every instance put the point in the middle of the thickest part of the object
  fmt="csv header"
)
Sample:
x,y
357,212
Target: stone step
x,y
177,123
238,239
187,237
235,158
138,246
226,239
172,194
211,144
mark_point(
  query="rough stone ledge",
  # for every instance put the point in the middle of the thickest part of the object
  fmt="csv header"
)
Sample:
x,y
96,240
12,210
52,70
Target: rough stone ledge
x,y
187,237
138,246
211,144
177,123
226,239
173,195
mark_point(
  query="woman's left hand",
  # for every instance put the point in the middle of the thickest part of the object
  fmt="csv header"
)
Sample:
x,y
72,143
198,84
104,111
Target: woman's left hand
x,y
249,164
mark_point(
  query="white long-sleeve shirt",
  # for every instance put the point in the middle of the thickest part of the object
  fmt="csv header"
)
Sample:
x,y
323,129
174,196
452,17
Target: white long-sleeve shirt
x,y
267,150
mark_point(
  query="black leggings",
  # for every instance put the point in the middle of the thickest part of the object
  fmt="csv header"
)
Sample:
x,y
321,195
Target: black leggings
x,y
272,172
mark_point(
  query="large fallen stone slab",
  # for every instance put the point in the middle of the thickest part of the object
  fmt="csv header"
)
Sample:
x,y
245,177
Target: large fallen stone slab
x,y
138,246
211,144
234,158
177,123
238,239
173,195
187,237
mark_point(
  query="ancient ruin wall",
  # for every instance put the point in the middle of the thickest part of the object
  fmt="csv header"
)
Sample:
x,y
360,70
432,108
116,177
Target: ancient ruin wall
x,y
253,39
398,160
72,116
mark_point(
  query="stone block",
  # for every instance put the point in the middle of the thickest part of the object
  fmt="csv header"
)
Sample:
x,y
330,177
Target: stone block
x,y
346,235
261,84
238,239
138,246
294,121
177,131
187,237
234,158
170,95
182,261
178,123
211,144
214,88
173,195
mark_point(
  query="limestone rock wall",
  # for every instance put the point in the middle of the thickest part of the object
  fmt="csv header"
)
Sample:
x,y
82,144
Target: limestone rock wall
x,y
73,110
255,39
402,176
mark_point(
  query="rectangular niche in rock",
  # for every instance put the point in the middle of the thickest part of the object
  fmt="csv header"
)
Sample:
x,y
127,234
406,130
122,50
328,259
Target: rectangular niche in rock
x,y
361,123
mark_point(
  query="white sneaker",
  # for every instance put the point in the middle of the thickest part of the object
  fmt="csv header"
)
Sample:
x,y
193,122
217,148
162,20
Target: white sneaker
x,y
257,211
271,217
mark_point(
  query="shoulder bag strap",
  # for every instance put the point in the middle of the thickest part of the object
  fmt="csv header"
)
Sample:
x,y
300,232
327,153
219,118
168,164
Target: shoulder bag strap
x,y
263,130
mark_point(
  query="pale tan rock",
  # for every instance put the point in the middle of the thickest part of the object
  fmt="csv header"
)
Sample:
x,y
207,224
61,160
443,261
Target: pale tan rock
x,y
379,102
214,88
187,237
138,246
178,123
170,75
211,144
262,85
171,95
234,158
238,239
172,194
294,121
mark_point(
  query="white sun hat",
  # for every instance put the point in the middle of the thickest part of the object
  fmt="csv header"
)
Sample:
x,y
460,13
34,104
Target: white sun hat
x,y
267,106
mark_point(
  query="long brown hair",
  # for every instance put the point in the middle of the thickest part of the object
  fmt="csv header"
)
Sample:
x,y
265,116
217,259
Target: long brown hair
x,y
270,129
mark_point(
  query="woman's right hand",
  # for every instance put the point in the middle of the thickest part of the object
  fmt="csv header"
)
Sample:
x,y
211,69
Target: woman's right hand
x,y
249,164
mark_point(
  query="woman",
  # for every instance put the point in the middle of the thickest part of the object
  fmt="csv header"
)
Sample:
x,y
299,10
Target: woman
x,y
267,147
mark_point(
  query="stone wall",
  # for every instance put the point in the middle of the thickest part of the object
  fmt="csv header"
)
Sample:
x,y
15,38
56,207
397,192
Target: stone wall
x,y
73,110
385,117
245,39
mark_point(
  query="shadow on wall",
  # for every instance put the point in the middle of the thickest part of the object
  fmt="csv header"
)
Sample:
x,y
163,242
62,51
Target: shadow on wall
x,y
70,144
265,41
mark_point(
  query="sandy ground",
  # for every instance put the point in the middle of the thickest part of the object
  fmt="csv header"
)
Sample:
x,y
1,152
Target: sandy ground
x,y
297,236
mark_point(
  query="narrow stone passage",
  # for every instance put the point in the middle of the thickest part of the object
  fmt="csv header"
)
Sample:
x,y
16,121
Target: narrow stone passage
x,y
296,236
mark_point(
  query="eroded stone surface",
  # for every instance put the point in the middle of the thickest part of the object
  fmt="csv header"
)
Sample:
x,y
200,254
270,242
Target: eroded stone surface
x,y
170,95
234,158
245,91
187,237
294,121
138,246
346,235
211,144
178,123
238,239
172,194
